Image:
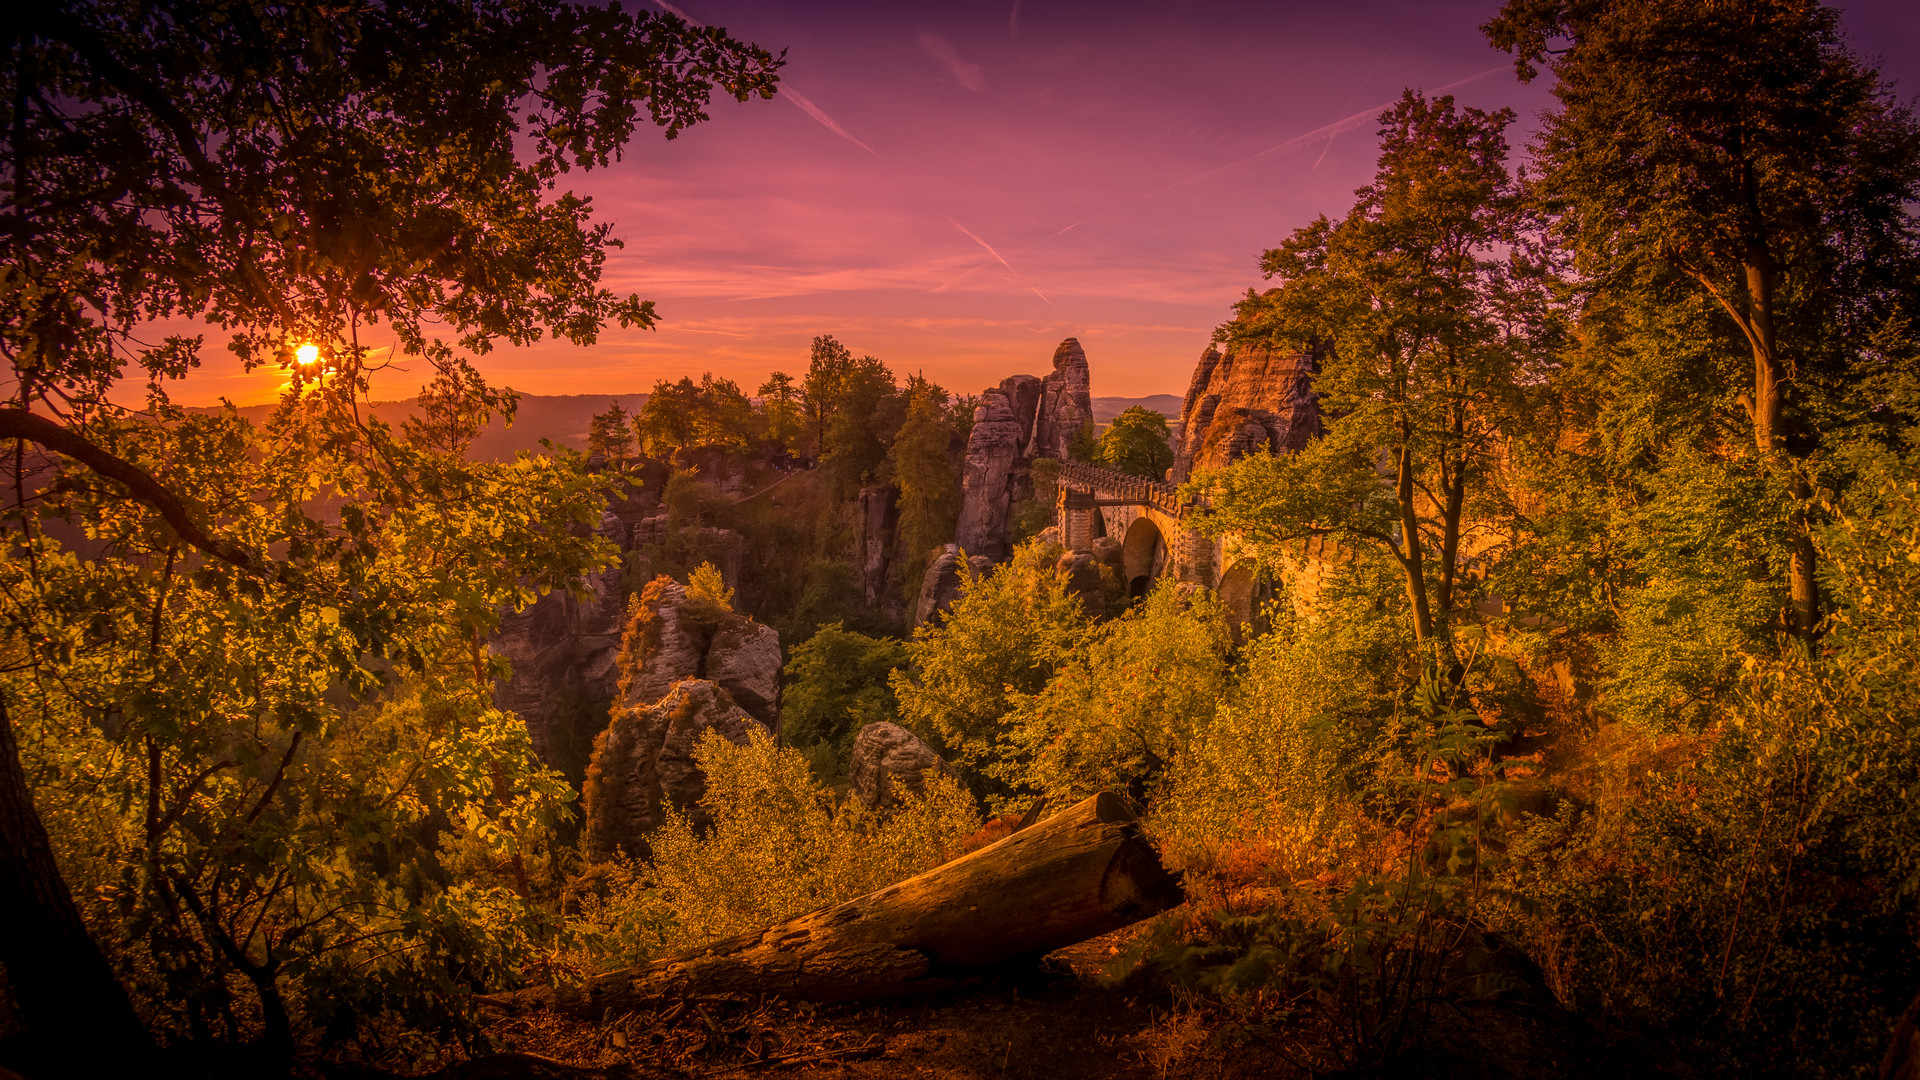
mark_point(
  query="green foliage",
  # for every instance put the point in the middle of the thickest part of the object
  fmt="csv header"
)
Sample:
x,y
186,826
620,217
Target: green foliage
x,y
1423,306
609,436
706,586
712,412
836,683
306,793
1379,957
1006,635
856,410
1282,757
779,847
781,412
1084,445
1705,581
1138,442
928,481
1122,711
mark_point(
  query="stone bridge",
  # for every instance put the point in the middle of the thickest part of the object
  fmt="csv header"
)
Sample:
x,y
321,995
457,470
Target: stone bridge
x,y
1147,518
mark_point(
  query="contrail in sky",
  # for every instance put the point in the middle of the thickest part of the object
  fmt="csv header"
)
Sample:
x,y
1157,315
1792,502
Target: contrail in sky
x,y
787,91
1357,87
976,239
1338,127
826,121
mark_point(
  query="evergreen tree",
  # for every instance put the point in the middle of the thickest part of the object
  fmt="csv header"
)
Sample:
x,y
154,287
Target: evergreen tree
x,y
609,435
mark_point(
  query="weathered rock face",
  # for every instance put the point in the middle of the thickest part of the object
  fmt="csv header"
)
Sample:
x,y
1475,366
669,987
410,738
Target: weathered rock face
x,y
644,762
887,757
1244,401
670,638
745,659
944,578
563,649
1066,403
879,523
1082,574
1023,418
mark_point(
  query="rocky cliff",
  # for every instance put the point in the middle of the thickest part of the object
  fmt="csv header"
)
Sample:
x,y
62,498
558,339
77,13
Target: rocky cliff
x,y
1023,418
685,665
1242,401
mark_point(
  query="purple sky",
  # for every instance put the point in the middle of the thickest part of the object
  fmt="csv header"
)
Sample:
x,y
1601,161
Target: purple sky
x,y
955,187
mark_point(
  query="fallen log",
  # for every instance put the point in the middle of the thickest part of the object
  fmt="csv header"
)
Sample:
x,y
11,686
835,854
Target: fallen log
x,y
1079,874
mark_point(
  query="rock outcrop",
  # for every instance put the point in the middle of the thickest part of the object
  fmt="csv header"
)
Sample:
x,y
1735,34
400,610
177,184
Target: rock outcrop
x,y
945,577
1066,403
644,762
1023,418
671,637
1243,401
879,524
562,649
887,757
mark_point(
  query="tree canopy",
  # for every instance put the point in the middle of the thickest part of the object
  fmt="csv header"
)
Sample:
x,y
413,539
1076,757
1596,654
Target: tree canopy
x,y
337,190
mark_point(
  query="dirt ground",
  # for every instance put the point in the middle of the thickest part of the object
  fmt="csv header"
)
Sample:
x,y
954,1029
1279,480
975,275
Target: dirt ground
x,y
1056,1022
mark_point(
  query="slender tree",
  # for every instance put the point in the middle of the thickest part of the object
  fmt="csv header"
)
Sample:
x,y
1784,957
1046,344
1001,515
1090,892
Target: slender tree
x,y
1410,303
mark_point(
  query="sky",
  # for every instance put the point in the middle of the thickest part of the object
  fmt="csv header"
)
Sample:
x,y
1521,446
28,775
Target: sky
x,y
955,187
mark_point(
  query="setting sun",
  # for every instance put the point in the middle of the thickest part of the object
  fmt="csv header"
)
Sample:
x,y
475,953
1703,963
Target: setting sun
x,y
307,354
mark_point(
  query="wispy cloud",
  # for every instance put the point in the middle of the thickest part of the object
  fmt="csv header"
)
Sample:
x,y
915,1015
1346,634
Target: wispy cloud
x,y
787,91
1013,20
967,75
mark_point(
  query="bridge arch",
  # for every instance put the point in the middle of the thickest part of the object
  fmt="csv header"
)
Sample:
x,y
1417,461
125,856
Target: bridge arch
x,y
1143,555
1246,590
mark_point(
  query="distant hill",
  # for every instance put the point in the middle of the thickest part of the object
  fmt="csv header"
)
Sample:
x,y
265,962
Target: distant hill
x,y
1106,408
562,418
559,418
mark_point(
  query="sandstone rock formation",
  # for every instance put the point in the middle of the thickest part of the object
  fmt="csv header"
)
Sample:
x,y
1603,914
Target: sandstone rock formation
x,y
887,756
1066,403
1023,418
644,761
562,649
1082,574
1243,401
670,638
944,578
879,523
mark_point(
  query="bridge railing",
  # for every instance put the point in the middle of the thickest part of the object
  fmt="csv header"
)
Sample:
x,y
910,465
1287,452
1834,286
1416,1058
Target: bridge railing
x,y
1108,483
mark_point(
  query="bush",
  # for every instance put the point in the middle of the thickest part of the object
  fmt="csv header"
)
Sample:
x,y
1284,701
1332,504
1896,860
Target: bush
x,y
1289,748
1006,635
836,684
779,847
1123,709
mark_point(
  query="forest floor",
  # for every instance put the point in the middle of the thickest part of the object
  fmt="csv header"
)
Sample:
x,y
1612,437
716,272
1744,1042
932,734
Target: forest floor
x,y
1061,1021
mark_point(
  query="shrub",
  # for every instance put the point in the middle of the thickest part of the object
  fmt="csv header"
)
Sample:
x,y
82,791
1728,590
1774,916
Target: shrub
x,y
779,847
1006,635
1123,709
836,684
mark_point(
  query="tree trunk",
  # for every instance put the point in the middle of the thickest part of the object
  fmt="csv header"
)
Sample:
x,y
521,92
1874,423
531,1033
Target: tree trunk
x,y
1769,435
1410,560
66,990
1079,874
